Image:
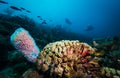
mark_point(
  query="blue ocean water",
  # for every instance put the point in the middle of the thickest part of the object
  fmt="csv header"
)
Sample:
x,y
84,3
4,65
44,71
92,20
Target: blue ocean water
x,y
102,15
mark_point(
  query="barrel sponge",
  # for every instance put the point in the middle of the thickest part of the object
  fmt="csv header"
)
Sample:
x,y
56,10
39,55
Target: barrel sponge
x,y
24,43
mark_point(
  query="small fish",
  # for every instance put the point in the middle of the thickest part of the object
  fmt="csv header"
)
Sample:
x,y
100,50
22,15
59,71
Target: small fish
x,y
3,2
39,16
44,22
89,28
28,11
68,21
15,8
23,8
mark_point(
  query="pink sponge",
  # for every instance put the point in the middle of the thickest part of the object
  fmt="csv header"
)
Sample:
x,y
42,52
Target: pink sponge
x,y
24,43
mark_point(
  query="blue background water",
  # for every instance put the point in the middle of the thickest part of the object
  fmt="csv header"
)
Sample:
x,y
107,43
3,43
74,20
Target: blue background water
x,y
103,15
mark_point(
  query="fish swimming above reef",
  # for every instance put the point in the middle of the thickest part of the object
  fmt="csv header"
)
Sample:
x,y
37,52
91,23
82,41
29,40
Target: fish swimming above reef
x,y
25,9
44,22
28,11
89,28
15,8
68,21
39,16
22,8
3,2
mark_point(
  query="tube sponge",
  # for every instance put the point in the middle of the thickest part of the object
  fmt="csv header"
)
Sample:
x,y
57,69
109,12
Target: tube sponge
x,y
24,43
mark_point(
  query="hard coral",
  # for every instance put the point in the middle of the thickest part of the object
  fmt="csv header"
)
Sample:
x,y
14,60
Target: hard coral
x,y
67,59
110,72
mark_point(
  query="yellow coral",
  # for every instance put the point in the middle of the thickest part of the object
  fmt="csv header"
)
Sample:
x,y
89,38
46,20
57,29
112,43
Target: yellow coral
x,y
64,56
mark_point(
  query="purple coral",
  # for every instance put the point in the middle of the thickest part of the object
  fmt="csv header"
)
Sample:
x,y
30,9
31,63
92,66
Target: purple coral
x,y
24,43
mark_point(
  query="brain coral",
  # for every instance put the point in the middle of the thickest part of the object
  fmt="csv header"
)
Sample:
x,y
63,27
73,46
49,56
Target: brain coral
x,y
67,59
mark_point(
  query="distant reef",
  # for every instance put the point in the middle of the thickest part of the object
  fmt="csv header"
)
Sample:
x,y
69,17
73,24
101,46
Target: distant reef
x,y
43,34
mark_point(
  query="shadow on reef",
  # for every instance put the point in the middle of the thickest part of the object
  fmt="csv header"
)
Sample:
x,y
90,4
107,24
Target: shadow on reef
x,y
10,59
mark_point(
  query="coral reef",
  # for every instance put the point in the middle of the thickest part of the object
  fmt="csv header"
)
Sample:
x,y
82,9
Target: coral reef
x,y
59,59
72,59
24,43
68,59
42,35
110,72
109,51
107,45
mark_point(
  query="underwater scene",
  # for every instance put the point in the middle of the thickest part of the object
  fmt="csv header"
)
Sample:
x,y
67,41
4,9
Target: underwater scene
x,y
59,38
